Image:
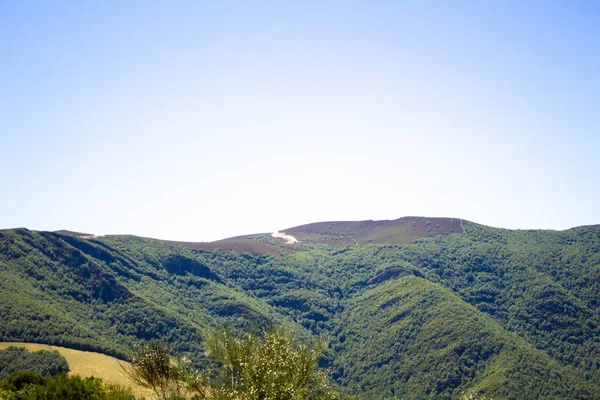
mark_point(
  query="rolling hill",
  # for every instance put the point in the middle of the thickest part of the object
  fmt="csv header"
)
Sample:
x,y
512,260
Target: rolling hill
x,y
87,363
333,233
414,308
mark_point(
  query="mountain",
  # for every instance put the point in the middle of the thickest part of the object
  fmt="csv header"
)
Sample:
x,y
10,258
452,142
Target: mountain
x,y
334,233
413,308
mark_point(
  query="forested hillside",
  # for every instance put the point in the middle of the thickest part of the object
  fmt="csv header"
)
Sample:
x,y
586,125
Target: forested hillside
x,y
438,309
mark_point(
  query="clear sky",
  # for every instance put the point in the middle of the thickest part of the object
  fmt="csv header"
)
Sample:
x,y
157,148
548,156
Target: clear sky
x,y
196,121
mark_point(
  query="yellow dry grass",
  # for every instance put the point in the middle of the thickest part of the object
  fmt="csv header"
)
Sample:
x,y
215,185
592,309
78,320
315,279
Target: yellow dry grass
x,y
87,363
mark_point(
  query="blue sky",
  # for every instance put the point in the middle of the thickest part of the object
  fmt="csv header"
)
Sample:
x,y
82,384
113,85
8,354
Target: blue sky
x,y
198,120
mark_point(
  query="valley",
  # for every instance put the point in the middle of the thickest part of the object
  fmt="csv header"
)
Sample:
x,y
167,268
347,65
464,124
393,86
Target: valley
x,y
413,308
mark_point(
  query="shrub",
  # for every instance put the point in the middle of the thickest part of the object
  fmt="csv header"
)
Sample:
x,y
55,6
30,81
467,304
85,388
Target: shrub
x,y
270,367
153,367
27,385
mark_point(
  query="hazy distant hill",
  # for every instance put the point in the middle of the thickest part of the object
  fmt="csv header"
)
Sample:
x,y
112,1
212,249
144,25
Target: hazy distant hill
x,y
335,233
415,307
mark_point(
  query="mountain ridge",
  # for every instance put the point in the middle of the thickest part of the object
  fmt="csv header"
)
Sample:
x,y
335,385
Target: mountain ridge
x,y
317,233
503,313
332,233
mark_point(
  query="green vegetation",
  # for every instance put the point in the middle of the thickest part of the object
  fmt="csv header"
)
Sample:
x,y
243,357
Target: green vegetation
x,y
270,367
86,364
267,367
27,385
443,346
494,312
153,367
13,359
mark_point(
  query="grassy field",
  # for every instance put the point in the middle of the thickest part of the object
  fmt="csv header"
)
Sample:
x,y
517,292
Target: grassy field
x,y
87,363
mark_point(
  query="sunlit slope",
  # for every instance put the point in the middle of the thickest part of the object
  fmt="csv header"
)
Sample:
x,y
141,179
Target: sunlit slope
x,y
334,233
83,294
87,363
411,338
398,231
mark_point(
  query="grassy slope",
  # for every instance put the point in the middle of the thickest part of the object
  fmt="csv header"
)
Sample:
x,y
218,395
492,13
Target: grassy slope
x,y
87,363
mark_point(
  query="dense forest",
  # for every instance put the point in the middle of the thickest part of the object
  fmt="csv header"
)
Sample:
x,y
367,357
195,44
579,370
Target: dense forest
x,y
475,310
43,362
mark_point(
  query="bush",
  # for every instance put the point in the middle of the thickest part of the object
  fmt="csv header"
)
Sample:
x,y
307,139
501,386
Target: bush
x,y
20,379
271,367
268,367
153,367
27,385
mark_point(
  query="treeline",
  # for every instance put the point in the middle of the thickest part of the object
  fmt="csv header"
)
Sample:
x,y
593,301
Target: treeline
x,y
13,359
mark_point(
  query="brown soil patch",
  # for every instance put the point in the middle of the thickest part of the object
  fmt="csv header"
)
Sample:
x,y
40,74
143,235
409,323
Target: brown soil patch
x,y
398,231
335,233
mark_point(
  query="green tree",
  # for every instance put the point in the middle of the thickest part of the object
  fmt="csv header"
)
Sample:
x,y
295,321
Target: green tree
x,y
272,366
19,359
268,367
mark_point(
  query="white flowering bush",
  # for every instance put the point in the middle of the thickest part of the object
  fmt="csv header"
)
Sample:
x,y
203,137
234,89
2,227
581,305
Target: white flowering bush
x,y
267,367
152,366
271,366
